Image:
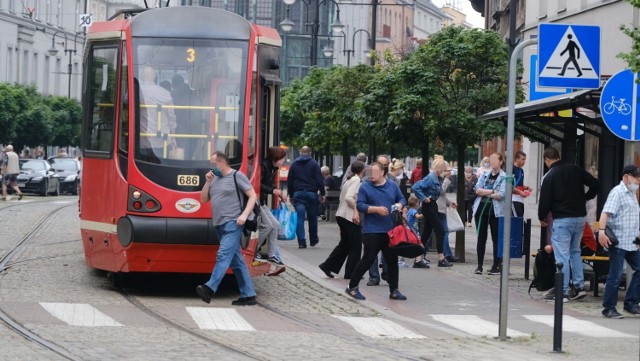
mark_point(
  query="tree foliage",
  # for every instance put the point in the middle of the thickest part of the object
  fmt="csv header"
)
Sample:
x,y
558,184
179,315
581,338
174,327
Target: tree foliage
x,y
632,57
320,110
434,96
28,118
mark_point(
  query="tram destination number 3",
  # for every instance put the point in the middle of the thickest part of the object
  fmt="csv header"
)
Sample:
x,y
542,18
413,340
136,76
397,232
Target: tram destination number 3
x,y
188,180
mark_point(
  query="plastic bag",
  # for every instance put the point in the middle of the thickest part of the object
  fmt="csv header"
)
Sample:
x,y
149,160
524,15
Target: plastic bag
x,y
288,221
454,222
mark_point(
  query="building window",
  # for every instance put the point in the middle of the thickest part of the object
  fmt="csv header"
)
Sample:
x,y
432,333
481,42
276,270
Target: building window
x,y
46,75
562,6
34,72
25,67
59,13
10,72
56,79
542,9
48,12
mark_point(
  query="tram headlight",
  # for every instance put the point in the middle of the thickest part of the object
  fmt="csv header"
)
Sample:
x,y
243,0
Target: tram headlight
x,y
136,194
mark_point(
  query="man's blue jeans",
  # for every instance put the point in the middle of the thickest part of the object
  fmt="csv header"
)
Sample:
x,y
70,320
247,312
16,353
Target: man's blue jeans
x,y
306,203
230,255
617,257
447,248
567,233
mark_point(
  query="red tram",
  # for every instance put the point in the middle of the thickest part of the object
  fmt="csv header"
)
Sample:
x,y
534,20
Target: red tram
x,y
163,89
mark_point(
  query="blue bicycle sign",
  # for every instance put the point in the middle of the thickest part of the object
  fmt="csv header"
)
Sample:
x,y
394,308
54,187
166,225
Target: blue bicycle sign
x,y
622,107
618,105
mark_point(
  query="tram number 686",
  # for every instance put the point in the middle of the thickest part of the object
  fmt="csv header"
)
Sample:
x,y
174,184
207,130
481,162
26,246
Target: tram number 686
x,y
188,180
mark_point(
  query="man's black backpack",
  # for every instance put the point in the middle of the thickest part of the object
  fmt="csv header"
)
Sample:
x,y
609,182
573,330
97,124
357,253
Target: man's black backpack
x,y
544,271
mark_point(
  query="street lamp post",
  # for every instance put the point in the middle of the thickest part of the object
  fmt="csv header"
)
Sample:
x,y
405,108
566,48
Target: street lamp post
x,y
287,25
348,52
53,51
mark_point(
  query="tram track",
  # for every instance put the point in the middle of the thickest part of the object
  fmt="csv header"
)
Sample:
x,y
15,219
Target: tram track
x,y
133,300
4,265
142,307
369,345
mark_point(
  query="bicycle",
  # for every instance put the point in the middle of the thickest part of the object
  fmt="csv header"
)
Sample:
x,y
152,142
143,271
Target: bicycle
x,y
621,107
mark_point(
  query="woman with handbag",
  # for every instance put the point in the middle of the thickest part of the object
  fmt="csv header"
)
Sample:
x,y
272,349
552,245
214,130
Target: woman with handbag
x,y
444,203
487,208
350,246
377,198
428,191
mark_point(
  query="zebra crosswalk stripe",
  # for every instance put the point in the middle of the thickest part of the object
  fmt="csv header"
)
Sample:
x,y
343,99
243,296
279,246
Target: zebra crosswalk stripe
x,y
572,324
377,327
227,319
79,314
474,325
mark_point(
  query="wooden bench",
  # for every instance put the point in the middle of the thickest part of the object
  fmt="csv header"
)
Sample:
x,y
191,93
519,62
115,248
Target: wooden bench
x,y
594,276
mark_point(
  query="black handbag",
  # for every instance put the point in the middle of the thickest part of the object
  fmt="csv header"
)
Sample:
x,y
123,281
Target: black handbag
x,y
612,236
251,224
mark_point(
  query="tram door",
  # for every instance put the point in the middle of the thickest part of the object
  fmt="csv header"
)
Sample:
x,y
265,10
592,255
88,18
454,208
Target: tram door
x,y
269,117
270,84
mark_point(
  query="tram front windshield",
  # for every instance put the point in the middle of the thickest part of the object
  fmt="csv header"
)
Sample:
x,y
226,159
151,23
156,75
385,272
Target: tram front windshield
x,y
189,100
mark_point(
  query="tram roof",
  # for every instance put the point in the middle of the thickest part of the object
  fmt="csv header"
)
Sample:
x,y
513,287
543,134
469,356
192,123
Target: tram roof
x,y
191,22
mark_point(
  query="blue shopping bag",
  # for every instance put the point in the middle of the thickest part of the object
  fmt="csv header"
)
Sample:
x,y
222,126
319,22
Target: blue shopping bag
x,y
288,221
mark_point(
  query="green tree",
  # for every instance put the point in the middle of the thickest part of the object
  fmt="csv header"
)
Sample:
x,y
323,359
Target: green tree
x,y
632,57
13,100
448,82
34,127
66,119
320,111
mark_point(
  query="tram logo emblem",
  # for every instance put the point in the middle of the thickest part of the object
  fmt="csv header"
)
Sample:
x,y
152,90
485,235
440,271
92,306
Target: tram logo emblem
x,y
187,205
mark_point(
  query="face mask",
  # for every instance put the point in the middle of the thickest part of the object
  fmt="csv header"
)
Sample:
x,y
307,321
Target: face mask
x,y
216,171
466,174
633,186
486,165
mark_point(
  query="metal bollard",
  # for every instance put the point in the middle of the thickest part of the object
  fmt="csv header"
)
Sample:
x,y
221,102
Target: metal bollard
x,y
557,315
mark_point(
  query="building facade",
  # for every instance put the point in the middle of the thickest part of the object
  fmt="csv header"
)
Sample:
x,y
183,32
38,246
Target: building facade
x,y
27,30
590,145
427,19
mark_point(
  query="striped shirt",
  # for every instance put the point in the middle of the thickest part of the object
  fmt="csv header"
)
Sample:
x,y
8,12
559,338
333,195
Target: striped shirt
x,y
623,215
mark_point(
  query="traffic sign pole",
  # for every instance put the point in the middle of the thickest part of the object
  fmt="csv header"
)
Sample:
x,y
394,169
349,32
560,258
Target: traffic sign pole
x,y
506,239
634,103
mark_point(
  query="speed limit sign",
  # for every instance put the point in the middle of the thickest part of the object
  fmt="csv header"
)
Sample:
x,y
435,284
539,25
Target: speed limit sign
x,y
85,20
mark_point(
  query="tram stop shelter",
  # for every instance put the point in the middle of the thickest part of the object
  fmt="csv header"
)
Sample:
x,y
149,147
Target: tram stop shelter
x,y
572,121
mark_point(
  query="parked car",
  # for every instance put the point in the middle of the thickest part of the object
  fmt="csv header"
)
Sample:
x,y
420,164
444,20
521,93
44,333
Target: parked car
x,y
37,176
69,173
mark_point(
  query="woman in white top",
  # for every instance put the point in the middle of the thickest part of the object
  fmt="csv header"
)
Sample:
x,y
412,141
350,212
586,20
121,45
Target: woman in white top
x,y
350,246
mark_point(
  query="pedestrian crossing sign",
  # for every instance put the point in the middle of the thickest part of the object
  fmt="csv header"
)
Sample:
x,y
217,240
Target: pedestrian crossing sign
x,y
569,56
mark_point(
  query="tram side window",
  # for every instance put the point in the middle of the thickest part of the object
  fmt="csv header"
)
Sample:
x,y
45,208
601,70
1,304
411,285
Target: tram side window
x,y
252,140
101,102
124,105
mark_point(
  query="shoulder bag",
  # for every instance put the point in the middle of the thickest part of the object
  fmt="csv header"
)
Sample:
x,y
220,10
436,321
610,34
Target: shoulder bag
x,y
251,223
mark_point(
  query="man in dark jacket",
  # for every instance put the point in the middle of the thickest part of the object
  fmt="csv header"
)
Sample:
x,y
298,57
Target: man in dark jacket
x,y
562,193
303,184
